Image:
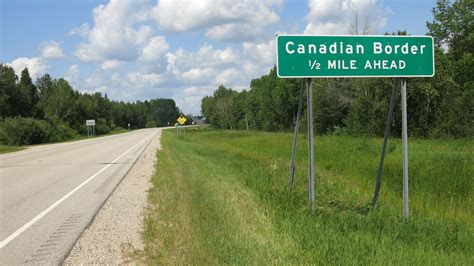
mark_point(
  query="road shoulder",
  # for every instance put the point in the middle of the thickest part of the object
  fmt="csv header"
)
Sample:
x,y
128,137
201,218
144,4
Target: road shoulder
x,y
116,230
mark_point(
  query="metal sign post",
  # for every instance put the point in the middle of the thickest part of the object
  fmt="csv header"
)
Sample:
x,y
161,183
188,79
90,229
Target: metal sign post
x,y
90,123
405,147
309,85
295,139
384,146
181,121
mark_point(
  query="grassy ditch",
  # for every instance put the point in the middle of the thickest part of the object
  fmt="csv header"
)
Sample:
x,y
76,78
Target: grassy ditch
x,y
220,197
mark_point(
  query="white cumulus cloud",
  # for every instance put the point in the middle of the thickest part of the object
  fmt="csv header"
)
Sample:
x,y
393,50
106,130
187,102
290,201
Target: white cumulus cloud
x,y
130,42
207,56
82,30
199,75
73,75
145,80
118,31
259,58
230,77
36,66
227,20
262,53
190,102
345,16
51,50
95,81
110,64
155,49
205,59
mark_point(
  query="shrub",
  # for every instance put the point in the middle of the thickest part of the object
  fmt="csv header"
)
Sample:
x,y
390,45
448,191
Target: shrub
x,y
23,131
150,124
101,126
62,132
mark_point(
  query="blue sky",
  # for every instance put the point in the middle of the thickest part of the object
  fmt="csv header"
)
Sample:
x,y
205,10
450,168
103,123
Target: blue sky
x,y
180,49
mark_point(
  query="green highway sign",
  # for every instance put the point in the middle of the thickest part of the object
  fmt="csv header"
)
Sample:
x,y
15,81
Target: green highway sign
x,y
308,56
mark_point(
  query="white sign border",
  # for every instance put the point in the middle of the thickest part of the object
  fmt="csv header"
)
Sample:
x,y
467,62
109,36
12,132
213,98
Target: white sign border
x,y
349,76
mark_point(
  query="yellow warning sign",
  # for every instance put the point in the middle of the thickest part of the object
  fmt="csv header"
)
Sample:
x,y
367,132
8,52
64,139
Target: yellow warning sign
x,y
182,120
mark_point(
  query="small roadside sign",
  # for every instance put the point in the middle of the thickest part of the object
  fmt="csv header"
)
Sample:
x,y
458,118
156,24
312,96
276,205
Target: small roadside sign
x,y
182,120
90,123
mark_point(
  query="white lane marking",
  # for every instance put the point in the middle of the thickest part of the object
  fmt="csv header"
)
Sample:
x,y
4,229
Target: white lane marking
x,y
54,205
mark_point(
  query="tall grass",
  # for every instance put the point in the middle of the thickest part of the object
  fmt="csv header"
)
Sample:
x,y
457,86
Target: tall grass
x,y
221,197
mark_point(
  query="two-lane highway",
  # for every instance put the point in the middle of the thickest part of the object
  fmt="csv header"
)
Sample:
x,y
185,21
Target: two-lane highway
x,y
50,193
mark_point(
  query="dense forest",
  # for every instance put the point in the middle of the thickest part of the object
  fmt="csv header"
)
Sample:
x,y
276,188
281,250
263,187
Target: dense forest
x,y
442,106
51,110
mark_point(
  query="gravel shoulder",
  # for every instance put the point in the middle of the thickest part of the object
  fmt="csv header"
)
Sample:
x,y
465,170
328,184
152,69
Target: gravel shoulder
x,y
117,227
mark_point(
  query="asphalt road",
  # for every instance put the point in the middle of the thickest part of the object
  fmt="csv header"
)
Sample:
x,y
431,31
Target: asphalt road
x,y
49,194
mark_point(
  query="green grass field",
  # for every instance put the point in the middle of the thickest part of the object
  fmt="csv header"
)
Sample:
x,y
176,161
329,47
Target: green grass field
x,y
220,197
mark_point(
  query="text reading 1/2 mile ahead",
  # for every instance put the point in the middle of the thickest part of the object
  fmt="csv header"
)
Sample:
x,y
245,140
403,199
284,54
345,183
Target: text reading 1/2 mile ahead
x,y
354,56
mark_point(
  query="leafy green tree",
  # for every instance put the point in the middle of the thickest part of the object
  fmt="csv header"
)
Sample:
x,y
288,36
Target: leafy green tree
x,y
330,107
224,111
104,107
453,32
208,109
453,26
262,99
9,95
162,111
59,103
28,95
286,97
85,107
44,85
224,107
240,106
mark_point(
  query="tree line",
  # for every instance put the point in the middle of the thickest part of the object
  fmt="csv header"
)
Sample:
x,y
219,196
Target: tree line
x,y
51,110
442,106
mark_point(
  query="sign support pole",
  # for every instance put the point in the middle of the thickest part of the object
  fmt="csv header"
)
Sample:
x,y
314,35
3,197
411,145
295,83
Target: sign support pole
x,y
405,147
384,146
309,85
295,140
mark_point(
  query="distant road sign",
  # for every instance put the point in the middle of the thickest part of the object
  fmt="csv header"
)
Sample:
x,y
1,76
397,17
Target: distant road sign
x,y
90,122
307,56
182,119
